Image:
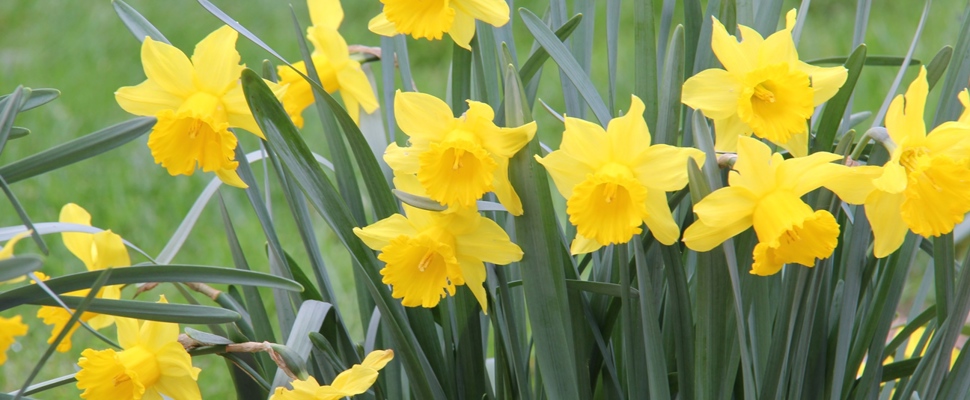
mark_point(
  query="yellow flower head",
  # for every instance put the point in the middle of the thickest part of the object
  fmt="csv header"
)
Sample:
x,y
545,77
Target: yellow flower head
x,y
763,89
765,191
196,102
430,19
9,328
152,364
614,180
926,184
97,251
427,254
353,381
457,160
7,252
337,71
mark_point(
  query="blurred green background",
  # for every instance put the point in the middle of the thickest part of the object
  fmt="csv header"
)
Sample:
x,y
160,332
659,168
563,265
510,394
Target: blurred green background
x,y
83,49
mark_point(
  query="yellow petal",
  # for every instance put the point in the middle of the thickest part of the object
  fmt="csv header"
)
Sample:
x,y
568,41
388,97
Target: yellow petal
x,y
127,332
779,47
501,142
583,140
702,237
181,141
503,188
110,251
888,228
155,334
179,387
964,97
803,174
664,167
628,135
331,44
428,19
727,131
938,197
904,119
9,328
951,139
420,270
168,67
487,242
776,102
811,239
402,160
751,42
422,116
778,213
231,178
714,91
659,219
797,145
79,244
462,30
826,81
456,172
583,245
325,13
354,83
377,359
727,49
726,206
492,12
8,247
380,233
473,271
98,372
753,166
893,178
216,61
238,114
381,26
852,185
609,206
147,99
565,170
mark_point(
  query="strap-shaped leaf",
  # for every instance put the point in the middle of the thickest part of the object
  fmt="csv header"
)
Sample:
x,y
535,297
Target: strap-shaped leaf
x,y
136,23
16,267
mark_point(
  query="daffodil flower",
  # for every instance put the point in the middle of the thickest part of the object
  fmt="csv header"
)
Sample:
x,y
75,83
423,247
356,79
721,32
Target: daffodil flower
x,y
97,251
351,382
152,364
765,192
431,19
614,181
427,253
337,71
763,89
9,329
457,160
925,186
196,102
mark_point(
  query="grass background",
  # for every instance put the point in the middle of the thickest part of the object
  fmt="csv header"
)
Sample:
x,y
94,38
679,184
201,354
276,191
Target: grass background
x,y
83,49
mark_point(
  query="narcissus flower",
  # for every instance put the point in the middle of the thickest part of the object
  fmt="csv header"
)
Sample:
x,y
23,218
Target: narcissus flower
x,y
353,381
614,181
9,329
457,160
97,251
765,191
196,102
763,89
925,187
337,71
152,364
7,252
427,254
430,19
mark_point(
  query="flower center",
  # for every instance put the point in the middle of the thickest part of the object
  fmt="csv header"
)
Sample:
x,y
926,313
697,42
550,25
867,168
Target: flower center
x,y
937,194
776,101
915,159
433,256
609,206
763,93
428,19
140,364
456,172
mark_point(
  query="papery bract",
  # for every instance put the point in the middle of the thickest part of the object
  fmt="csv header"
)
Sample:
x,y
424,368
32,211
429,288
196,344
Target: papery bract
x,y
763,89
614,181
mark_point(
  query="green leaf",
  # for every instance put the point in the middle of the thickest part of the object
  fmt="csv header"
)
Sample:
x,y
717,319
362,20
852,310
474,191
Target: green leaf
x,y
899,369
206,338
875,61
136,23
19,266
308,319
36,98
163,312
9,107
34,234
644,57
543,278
43,386
17,132
421,202
937,66
569,66
77,150
668,122
605,288
828,126
534,63
956,76
140,274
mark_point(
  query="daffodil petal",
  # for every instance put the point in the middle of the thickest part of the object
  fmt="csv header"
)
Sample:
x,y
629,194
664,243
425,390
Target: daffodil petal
x,y
852,185
753,172
803,172
127,332
664,167
231,178
583,141
111,250
893,178
473,270
381,26
797,145
168,67
488,242
326,13
714,91
702,237
628,135
727,131
238,113
888,227
503,188
904,119
180,387
380,233
402,160
492,12
216,61
727,49
565,170
147,99
826,81
79,244
951,139
354,81
777,48
329,42
462,30
659,219
583,245
726,206
422,116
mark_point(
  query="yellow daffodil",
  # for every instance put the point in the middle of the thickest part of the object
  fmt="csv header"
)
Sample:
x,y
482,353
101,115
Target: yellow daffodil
x,y
9,329
430,19
196,102
337,71
925,186
765,191
152,364
353,381
7,252
427,254
457,160
614,181
763,89
97,251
